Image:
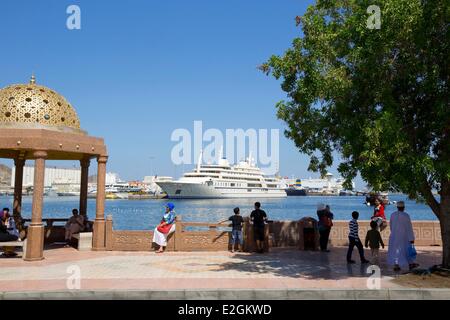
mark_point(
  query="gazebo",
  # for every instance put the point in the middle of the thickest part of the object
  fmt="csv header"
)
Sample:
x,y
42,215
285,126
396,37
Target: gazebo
x,y
36,123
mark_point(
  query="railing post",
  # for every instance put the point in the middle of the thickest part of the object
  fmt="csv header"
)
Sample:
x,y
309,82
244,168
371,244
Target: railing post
x,y
178,234
248,236
266,237
109,233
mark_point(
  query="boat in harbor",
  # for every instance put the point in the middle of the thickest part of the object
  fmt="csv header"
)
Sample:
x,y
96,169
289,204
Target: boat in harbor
x,y
222,180
296,189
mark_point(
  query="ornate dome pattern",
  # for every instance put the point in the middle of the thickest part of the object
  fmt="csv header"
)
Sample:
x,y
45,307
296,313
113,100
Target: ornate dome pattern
x,y
32,104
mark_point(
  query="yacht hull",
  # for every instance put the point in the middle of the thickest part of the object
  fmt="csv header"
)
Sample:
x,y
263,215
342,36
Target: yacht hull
x,y
177,190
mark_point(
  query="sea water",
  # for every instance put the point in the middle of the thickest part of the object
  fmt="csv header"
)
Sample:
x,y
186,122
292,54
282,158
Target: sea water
x,y
146,214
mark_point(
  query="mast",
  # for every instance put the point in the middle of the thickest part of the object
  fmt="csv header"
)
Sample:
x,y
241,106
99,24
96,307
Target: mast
x,y
220,155
199,161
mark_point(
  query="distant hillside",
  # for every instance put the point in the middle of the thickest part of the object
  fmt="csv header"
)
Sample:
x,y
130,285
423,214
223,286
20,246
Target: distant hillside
x,y
5,174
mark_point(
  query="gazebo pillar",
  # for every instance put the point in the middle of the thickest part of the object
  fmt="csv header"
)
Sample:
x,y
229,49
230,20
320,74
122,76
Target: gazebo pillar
x,y
99,224
84,185
19,163
35,236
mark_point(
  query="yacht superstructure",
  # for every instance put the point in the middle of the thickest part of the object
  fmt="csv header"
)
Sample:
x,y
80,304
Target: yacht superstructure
x,y
222,180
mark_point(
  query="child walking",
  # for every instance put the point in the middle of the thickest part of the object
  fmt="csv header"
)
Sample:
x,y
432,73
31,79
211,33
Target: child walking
x,y
354,240
374,241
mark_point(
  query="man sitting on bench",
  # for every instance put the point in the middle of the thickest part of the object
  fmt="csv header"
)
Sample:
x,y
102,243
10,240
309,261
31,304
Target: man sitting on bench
x,y
7,232
74,225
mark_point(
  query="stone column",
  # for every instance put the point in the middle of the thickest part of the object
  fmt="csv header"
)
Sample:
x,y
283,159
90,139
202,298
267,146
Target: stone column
x,y
18,185
35,238
99,224
84,185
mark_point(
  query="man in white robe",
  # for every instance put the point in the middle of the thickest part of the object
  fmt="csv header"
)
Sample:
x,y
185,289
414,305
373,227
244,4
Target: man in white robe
x,y
402,236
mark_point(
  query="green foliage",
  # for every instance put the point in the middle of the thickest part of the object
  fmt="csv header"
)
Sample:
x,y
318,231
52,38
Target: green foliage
x,y
378,97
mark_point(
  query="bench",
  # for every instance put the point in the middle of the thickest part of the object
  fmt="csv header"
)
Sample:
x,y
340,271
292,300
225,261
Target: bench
x,y
84,241
15,244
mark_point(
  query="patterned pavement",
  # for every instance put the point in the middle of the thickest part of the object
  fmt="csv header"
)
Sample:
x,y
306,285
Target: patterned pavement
x,y
279,269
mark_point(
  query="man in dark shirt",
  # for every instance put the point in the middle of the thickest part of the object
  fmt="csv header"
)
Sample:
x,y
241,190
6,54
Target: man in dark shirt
x,y
236,232
259,219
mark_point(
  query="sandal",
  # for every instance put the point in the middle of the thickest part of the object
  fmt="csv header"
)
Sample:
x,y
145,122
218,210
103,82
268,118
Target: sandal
x,y
413,266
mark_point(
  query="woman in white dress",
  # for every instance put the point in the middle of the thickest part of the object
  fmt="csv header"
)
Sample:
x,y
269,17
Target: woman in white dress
x,y
165,228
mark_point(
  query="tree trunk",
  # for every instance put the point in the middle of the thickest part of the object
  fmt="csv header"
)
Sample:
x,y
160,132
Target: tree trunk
x,y
445,229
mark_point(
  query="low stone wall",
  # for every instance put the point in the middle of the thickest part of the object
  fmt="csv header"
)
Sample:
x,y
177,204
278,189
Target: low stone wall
x,y
428,233
123,240
215,238
278,234
286,233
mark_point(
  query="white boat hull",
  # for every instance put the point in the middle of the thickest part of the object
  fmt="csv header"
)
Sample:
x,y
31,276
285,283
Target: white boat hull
x,y
177,190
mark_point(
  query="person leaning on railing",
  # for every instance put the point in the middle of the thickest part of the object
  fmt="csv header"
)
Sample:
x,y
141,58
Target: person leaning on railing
x,y
259,219
236,233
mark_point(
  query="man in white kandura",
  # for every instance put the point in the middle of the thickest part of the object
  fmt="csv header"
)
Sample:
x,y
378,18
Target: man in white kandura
x,y
165,228
401,239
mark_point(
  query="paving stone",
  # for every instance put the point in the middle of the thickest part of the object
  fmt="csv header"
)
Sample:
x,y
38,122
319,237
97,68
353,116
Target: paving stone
x,y
202,295
22,296
268,294
382,294
436,294
305,294
405,294
237,294
167,295
132,295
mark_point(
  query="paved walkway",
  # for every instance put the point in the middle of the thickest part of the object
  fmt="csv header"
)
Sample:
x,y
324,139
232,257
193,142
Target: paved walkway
x,y
281,269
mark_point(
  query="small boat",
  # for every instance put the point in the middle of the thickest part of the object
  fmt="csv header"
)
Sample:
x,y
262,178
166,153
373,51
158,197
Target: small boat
x,y
68,194
295,192
344,193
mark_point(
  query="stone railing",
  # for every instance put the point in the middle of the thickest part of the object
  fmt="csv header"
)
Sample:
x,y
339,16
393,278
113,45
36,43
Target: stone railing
x,y
428,233
200,236
188,236
287,233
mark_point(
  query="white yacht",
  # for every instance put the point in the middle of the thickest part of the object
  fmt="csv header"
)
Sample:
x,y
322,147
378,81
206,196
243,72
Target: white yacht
x,y
243,180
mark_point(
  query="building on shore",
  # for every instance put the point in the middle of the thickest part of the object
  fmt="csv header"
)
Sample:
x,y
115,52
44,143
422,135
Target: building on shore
x,y
329,185
52,175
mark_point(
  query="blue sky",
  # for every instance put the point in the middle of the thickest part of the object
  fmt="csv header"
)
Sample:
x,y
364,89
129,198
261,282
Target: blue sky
x,y
137,70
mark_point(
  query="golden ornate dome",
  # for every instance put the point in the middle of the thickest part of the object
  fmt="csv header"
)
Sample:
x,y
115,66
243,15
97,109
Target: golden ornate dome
x,y
34,106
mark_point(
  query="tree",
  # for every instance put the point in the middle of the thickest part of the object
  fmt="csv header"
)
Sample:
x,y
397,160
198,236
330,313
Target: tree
x,y
377,97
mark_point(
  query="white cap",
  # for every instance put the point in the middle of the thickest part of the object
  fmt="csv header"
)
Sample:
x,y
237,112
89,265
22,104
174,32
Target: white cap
x,y
321,206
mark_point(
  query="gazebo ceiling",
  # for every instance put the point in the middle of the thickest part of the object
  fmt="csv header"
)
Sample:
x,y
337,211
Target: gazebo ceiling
x,y
35,106
36,118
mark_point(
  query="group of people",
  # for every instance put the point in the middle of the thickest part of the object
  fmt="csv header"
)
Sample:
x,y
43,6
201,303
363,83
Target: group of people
x,y
401,251
401,241
8,231
258,218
